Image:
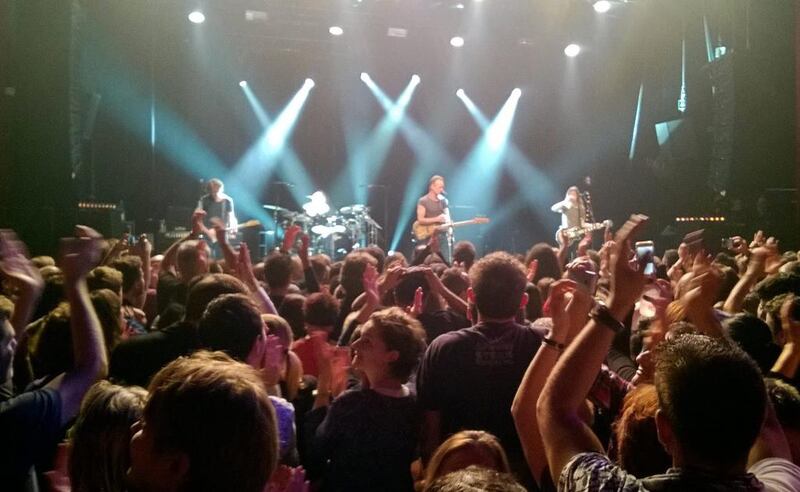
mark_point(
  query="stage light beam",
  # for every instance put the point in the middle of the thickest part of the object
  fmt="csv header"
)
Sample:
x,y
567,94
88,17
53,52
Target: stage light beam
x,y
197,17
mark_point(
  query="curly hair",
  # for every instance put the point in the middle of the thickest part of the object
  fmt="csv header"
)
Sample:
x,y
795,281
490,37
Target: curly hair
x,y
402,333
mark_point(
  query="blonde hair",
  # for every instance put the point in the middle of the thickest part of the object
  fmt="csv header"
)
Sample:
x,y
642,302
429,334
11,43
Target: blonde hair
x,y
482,441
99,451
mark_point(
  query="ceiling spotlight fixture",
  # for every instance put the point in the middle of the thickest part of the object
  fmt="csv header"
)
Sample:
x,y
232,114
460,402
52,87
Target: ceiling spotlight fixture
x,y
516,92
197,17
459,6
397,32
309,83
243,83
602,6
415,79
457,41
336,31
572,50
460,93
364,76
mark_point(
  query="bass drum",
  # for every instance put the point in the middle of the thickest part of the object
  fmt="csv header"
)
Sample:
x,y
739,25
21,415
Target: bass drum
x,y
342,245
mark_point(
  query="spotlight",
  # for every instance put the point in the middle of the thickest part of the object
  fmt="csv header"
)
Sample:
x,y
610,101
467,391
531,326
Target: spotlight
x,y
309,83
415,79
572,50
457,41
602,6
243,83
336,31
517,92
460,93
365,77
459,6
197,17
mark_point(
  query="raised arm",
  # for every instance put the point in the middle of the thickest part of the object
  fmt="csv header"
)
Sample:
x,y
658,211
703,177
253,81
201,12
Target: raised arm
x,y
564,433
569,306
312,283
20,273
756,267
789,360
559,207
435,283
144,250
78,256
244,270
171,254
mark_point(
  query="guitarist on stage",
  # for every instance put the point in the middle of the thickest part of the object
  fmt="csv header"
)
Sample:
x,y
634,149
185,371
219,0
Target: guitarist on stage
x,y
573,214
433,209
217,205
571,208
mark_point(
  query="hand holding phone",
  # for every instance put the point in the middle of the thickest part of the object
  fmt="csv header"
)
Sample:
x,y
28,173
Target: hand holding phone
x,y
645,251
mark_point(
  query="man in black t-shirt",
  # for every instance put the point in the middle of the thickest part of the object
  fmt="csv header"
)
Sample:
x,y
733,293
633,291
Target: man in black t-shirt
x,y
432,209
468,378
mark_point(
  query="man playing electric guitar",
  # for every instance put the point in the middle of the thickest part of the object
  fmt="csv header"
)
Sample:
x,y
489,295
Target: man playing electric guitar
x,y
217,205
433,209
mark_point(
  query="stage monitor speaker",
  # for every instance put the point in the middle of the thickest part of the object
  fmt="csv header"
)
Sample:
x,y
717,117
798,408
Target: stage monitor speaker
x,y
110,222
178,217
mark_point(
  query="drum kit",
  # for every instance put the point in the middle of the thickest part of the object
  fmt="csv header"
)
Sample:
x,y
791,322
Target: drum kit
x,y
332,232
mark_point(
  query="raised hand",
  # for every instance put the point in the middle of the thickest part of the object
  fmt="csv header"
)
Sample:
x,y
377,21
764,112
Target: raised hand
x,y
533,268
143,247
78,256
433,243
220,234
569,308
583,246
266,356
370,283
758,239
627,276
15,265
303,251
289,237
197,222
416,308
563,238
789,323
392,277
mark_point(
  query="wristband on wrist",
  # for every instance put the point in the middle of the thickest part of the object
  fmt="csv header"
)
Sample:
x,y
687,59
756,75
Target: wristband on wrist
x,y
601,315
552,343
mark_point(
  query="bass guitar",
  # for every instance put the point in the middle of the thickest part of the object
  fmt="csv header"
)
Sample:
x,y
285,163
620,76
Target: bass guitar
x,y
424,231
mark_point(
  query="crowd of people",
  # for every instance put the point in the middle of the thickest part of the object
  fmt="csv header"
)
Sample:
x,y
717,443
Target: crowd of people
x,y
123,369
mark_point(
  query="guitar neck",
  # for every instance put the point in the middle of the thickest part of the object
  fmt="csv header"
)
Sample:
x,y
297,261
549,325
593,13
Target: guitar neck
x,y
459,223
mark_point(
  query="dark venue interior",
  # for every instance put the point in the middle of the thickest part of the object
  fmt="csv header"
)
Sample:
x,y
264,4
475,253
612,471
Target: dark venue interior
x,y
139,106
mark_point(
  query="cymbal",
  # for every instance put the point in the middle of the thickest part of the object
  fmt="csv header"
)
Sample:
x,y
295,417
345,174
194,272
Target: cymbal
x,y
275,208
296,216
354,209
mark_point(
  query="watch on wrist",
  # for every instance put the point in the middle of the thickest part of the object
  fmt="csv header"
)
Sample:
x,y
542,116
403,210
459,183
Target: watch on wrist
x,y
602,315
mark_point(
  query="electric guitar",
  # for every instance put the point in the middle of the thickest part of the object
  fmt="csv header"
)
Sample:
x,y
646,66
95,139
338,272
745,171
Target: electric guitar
x,y
575,233
211,233
424,231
